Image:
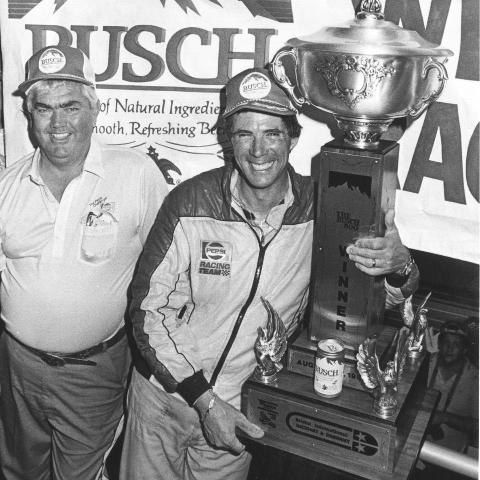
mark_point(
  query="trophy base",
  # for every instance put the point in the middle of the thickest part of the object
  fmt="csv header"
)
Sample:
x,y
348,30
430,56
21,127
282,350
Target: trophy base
x,y
343,432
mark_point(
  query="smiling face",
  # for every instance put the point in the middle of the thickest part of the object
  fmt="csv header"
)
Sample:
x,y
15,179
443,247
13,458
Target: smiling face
x,y
261,146
62,120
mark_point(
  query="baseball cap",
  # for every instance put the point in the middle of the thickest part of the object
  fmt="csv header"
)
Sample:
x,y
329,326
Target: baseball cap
x,y
58,62
453,328
255,89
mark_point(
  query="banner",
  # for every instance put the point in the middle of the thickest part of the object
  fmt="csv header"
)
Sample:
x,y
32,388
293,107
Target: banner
x,y
161,64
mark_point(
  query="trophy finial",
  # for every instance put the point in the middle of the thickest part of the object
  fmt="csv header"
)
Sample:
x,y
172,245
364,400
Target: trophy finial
x,y
270,346
371,8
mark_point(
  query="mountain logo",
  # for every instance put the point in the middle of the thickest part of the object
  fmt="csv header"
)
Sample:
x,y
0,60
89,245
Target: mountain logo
x,y
254,86
277,10
51,61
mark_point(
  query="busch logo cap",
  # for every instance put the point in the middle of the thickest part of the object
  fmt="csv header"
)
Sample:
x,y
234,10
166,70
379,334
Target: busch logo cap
x,y
255,89
58,63
453,328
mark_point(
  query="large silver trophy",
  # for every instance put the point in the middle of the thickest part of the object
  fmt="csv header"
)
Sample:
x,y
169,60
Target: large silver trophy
x,y
367,73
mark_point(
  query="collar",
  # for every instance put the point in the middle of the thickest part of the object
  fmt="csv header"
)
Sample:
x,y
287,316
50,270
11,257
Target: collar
x,y
93,164
275,216
33,171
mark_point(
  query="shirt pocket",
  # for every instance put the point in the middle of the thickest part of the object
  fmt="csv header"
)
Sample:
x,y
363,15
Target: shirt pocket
x,y
99,242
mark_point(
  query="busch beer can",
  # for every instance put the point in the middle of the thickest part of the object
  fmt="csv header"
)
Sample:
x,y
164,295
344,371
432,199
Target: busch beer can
x,y
329,367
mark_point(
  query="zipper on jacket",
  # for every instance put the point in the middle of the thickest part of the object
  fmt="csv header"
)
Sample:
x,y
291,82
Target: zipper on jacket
x,y
251,296
241,315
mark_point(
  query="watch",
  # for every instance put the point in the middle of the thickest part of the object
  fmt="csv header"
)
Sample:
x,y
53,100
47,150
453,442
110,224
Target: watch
x,y
211,403
406,269
399,277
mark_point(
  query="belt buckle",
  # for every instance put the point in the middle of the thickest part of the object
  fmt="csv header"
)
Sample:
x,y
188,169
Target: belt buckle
x,y
53,360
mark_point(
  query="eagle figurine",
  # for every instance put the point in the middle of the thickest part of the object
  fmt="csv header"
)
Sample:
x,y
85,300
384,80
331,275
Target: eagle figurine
x,y
383,383
270,345
417,323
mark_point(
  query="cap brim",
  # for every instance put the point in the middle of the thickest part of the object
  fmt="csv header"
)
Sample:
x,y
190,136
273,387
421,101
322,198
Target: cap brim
x,y
272,109
23,87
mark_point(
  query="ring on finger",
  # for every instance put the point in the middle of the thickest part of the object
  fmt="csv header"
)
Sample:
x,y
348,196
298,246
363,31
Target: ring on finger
x,y
374,263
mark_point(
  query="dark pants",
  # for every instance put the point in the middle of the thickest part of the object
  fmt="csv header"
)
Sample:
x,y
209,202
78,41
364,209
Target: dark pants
x,y
59,422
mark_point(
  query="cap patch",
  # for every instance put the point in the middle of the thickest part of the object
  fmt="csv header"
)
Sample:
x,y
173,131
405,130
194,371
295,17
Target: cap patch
x,y
51,61
254,86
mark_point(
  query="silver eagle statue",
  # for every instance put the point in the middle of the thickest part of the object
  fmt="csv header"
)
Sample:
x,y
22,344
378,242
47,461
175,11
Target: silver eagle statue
x,y
417,323
270,346
382,383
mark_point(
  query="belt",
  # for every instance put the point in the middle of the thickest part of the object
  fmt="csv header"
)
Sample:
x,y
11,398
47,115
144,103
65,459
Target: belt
x,y
59,359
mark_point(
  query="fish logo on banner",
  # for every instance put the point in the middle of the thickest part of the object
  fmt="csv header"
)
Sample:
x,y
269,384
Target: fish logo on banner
x,y
167,167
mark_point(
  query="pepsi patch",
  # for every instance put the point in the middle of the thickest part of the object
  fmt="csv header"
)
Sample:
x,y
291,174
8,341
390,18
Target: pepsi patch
x,y
216,258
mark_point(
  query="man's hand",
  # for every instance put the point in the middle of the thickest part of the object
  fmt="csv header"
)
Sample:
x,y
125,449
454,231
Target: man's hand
x,y
219,423
380,255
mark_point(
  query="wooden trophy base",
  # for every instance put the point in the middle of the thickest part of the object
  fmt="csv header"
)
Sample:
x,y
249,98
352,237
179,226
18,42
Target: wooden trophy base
x,y
343,432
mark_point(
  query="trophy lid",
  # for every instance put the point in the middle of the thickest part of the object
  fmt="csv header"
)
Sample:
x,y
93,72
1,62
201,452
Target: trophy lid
x,y
369,34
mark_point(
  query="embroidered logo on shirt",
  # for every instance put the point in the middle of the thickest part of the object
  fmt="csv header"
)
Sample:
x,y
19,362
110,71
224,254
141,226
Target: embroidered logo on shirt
x,y
216,258
101,213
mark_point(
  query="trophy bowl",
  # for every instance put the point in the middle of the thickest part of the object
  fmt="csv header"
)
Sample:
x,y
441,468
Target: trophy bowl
x,y
366,73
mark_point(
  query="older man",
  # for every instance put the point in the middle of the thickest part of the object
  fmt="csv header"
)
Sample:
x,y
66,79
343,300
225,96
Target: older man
x,y
222,241
74,216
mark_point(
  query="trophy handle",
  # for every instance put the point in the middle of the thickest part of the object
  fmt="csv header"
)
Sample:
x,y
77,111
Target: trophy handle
x,y
278,71
418,109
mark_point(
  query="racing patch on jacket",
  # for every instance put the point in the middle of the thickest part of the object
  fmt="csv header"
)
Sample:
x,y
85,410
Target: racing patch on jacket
x,y
216,258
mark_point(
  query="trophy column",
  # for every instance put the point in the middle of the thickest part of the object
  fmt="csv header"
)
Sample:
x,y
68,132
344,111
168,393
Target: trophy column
x,y
356,186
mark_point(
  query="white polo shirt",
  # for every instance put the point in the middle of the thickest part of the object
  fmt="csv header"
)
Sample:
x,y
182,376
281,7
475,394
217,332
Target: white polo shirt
x,y
65,267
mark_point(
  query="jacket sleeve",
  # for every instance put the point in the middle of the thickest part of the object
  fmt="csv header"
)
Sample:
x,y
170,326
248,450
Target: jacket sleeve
x,y
161,306
2,255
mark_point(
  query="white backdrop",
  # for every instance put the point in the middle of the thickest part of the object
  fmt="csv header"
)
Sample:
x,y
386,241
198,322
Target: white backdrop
x,y
160,65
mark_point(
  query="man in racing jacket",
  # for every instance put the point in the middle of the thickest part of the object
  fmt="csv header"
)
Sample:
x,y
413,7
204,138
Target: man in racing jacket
x,y
221,241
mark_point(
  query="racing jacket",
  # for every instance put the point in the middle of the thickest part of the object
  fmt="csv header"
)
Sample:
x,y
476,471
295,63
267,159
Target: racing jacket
x,y
196,297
